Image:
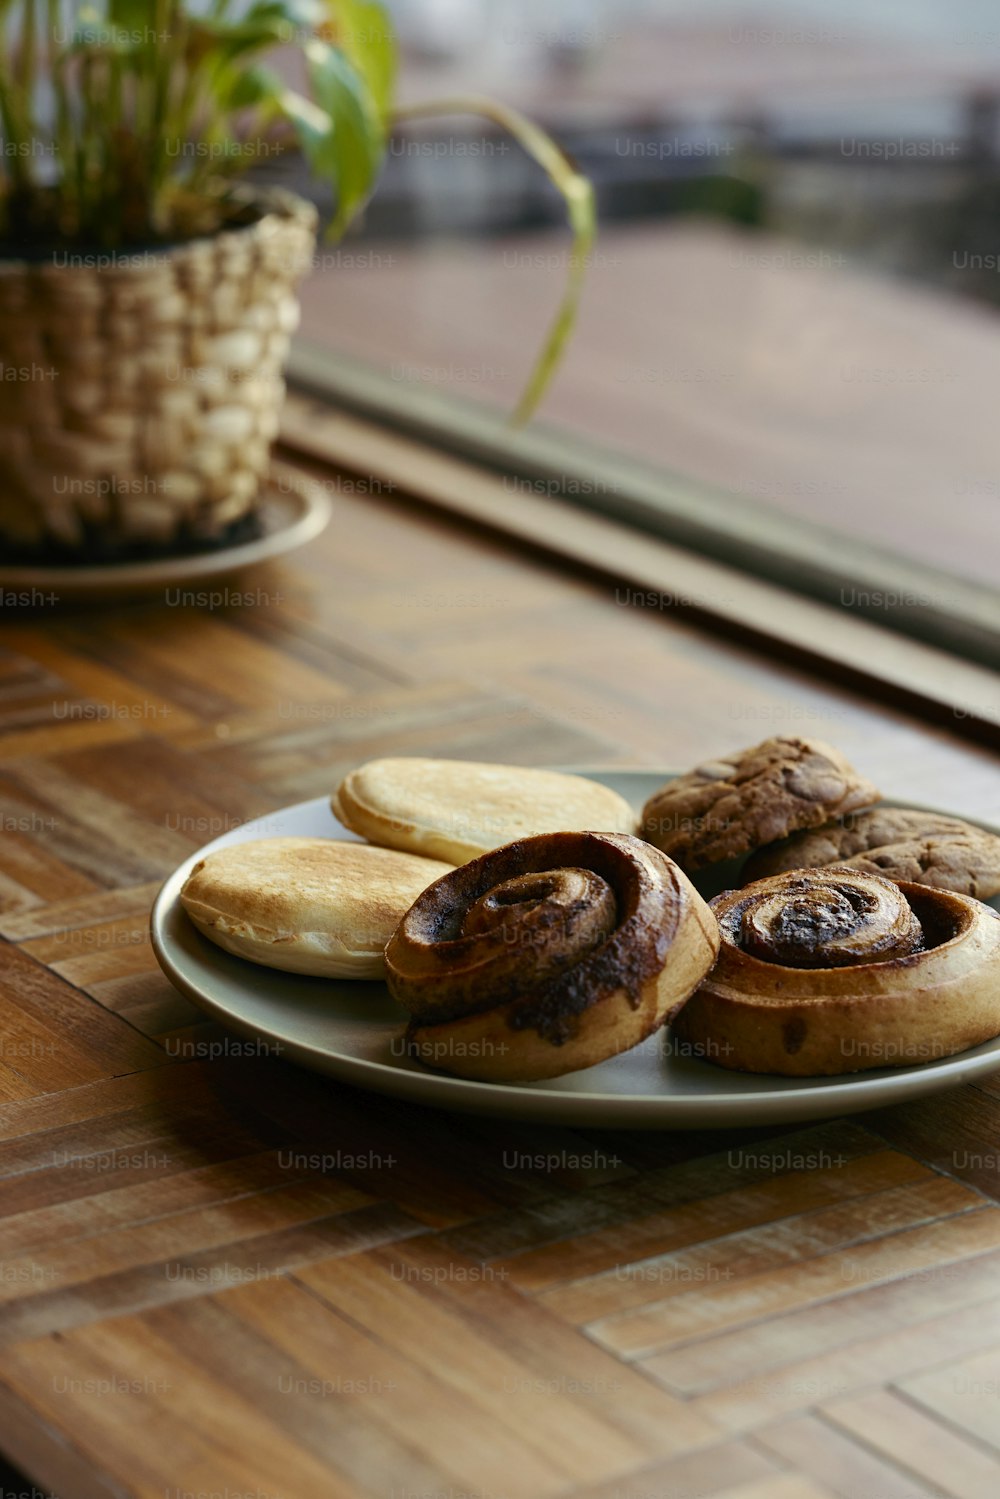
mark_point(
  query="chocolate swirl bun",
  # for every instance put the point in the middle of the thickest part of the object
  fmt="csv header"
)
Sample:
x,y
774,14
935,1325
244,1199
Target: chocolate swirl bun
x,y
547,955
833,970
826,920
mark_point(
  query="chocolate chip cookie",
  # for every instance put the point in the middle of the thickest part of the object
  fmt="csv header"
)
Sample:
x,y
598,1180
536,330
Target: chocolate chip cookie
x,y
731,806
922,847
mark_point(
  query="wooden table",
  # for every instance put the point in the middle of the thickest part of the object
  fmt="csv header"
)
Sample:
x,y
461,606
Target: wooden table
x,y
191,1303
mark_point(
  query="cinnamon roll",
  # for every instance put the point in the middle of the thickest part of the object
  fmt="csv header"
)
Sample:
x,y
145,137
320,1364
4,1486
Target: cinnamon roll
x,y
832,970
548,955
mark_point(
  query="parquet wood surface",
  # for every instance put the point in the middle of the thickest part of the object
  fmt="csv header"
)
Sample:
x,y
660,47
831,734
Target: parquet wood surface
x,y
219,1274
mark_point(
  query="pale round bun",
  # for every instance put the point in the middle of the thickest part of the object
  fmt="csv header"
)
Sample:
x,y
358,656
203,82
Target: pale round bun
x,y
459,809
838,970
548,955
306,905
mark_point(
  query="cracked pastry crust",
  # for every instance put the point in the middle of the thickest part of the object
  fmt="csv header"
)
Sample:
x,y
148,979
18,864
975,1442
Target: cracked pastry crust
x,y
730,806
901,843
836,970
551,954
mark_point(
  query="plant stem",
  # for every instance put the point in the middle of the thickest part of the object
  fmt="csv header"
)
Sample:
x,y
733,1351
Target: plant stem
x,y
579,198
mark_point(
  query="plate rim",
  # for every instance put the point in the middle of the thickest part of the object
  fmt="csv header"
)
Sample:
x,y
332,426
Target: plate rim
x,y
652,1110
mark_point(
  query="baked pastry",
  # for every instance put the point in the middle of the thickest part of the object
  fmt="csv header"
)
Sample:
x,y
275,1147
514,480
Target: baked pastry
x,y
307,905
728,807
548,955
825,971
903,844
458,809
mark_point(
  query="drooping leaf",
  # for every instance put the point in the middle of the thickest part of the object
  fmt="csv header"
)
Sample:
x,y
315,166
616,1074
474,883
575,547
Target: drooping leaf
x,y
352,153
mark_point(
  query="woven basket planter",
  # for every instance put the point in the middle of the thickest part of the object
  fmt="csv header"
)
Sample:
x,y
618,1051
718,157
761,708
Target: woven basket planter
x,y
141,396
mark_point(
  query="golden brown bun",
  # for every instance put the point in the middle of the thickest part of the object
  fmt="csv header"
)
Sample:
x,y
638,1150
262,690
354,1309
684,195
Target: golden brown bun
x,y
548,955
307,905
834,970
739,802
458,809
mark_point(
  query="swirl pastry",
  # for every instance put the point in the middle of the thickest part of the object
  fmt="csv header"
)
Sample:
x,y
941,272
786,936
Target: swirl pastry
x,y
547,955
824,971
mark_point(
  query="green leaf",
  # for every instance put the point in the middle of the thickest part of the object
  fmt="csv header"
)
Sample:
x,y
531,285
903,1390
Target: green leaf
x,y
365,34
258,87
299,15
250,87
129,15
351,155
269,23
128,30
219,42
113,32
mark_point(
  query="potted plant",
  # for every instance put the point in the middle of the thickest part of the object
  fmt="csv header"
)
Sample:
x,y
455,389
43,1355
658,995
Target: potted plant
x,y
147,296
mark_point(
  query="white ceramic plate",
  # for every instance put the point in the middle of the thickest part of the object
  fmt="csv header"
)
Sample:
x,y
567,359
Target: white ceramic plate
x,y
289,518
353,1030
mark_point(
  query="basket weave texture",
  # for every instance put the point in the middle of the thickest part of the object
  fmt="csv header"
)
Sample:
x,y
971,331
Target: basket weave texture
x,y
141,393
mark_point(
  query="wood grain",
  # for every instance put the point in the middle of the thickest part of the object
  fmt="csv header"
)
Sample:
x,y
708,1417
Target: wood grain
x,y
220,1273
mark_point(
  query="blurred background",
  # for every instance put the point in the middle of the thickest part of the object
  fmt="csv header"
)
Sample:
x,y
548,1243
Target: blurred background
x,y
794,293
